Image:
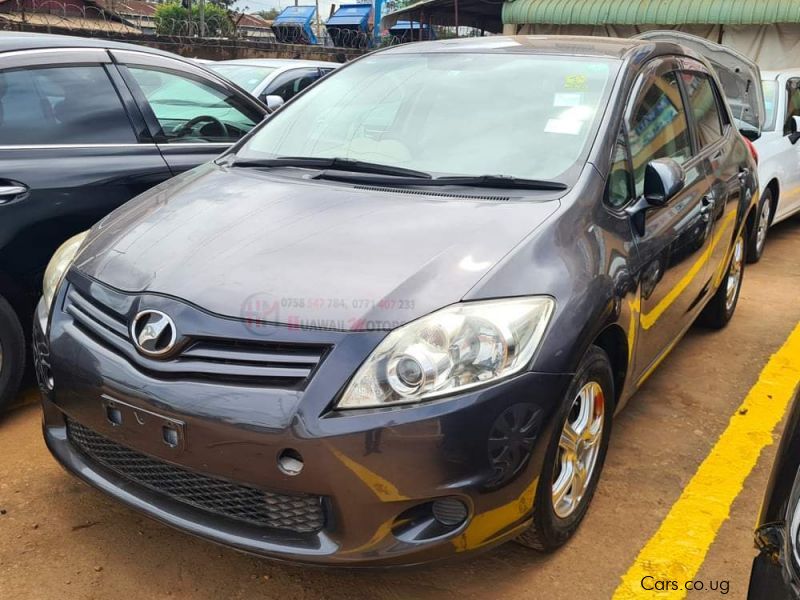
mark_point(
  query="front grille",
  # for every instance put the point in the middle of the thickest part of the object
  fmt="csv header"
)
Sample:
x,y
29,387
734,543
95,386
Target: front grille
x,y
298,513
283,365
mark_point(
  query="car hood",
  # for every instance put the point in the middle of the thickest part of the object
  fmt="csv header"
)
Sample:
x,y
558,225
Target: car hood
x,y
260,246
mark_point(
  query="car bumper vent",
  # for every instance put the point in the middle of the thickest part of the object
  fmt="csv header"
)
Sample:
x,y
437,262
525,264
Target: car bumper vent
x,y
297,513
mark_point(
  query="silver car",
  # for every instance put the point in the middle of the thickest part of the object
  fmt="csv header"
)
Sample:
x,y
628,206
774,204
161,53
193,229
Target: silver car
x,y
264,77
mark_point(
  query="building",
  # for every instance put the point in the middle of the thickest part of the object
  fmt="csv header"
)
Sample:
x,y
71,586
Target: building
x,y
768,31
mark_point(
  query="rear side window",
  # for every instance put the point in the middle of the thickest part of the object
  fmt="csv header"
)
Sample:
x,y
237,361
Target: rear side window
x,y
705,108
658,127
61,105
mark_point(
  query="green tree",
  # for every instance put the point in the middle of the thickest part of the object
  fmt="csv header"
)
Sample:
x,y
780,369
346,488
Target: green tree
x,y
173,19
270,14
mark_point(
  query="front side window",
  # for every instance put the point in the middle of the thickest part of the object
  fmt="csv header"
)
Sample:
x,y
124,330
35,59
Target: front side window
x,y
247,77
620,188
470,114
658,126
51,106
705,110
289,84
189,110
792,104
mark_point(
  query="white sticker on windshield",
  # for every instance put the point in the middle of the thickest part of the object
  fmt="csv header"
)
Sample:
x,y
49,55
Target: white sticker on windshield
x,y
564,126
566,99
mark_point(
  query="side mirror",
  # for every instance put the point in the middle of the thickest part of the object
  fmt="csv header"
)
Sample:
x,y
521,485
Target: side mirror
x,y
663,178
273,102
794,128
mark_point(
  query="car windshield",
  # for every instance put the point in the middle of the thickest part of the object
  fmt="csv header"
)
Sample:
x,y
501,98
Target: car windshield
x,y
247,77
770,87
527,116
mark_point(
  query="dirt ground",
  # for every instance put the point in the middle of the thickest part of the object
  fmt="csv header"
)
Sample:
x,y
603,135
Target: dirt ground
x,y
58,537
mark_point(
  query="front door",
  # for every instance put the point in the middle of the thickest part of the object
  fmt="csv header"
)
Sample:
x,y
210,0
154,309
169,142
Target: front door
x,y
673,268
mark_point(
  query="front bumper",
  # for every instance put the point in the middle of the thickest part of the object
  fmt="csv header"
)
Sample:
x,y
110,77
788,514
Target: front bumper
x,y
376,472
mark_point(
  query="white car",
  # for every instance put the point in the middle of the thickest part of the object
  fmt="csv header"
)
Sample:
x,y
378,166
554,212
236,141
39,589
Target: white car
x,y
778,152
264,77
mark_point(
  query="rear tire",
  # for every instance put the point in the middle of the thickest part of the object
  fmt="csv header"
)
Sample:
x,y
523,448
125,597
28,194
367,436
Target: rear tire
x,y
562,501
12,353
721,307
758,237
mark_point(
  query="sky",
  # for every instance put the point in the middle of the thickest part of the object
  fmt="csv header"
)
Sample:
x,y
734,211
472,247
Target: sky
x,y
253,6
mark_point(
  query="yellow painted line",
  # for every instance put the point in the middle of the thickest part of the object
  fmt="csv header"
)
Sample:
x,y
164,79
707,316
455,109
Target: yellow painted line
x,y
679,547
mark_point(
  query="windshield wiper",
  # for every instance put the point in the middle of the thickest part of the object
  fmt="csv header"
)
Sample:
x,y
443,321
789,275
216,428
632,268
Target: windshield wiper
x,y
487,181
334,164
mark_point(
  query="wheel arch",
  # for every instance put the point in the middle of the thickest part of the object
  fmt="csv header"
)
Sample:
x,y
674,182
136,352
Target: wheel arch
x,y
775,189
613,341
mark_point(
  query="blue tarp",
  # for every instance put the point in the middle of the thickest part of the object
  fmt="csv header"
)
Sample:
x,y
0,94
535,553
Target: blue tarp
x,y
352,15
293,25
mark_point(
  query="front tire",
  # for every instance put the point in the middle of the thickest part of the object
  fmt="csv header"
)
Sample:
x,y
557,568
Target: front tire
x,y
720,309
12,353
575,456
758,237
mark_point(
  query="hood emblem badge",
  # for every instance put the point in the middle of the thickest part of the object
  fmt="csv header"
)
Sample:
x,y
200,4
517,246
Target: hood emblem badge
x,y
153,333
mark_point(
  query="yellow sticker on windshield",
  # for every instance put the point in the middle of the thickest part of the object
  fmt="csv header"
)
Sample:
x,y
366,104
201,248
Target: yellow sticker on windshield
x,y
575,82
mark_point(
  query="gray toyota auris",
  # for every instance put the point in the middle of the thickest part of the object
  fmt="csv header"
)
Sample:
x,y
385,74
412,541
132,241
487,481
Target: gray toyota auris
x,y
395,322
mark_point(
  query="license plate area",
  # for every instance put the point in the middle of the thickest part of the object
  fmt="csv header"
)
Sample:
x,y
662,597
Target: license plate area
x,y
144,428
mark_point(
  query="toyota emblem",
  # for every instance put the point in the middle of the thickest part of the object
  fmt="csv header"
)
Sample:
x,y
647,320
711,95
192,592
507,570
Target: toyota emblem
x,y
153,333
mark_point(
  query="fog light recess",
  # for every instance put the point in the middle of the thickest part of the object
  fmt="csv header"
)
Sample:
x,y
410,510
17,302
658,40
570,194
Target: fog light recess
x,y
290,462
449,511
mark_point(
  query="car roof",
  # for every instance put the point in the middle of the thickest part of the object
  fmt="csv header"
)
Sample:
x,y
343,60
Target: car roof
x,y
277,62
17,40
528,44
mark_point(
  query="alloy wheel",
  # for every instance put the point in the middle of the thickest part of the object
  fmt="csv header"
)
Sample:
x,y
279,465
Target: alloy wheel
x,y
578,449
763,226
734,273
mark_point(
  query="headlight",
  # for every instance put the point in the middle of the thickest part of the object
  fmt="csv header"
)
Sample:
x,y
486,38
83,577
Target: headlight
x,y
453,349
58,266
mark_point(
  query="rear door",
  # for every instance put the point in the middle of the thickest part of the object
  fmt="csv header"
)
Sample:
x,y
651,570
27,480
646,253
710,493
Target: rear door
x,y
718,157
790,152
192,115
73,147
673,272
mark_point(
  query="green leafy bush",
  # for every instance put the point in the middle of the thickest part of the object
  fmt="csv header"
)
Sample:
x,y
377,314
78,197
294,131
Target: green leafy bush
x,y
173,19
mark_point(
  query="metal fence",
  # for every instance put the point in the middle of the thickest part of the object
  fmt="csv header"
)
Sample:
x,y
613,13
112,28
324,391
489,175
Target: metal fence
x,y
93,21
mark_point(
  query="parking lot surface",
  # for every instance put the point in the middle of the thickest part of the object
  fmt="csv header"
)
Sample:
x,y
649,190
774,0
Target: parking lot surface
x,y
58,537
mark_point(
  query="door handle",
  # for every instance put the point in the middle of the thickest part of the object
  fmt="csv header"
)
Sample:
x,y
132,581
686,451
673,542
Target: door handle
x,y
708,205
9,192
744,175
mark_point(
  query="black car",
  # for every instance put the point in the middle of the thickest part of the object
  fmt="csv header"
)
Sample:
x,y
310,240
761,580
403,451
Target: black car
x,y
395,322
776,568
86,125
